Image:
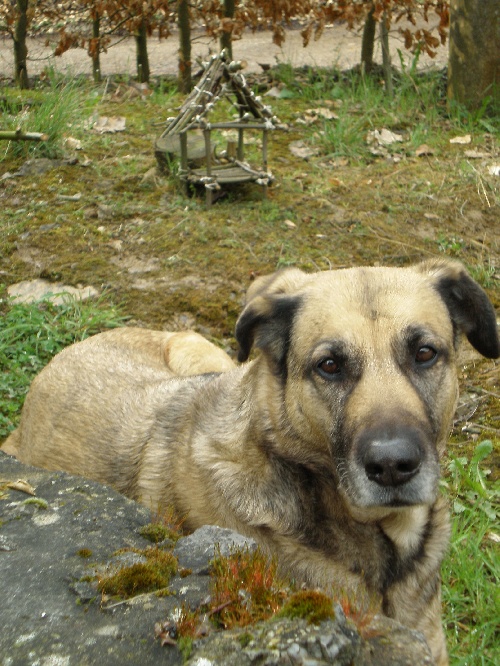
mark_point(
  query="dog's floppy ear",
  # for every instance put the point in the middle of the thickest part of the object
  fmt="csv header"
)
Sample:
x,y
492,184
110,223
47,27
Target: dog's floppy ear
x,y
268,315
286,281
470,309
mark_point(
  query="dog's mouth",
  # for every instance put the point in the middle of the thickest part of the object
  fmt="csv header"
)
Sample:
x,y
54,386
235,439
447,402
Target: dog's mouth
x,y
363,493
366,494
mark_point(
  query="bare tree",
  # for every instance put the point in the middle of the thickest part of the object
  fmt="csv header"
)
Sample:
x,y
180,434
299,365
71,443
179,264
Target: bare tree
x,y
20,48
227,27
184,23
368,40
474,62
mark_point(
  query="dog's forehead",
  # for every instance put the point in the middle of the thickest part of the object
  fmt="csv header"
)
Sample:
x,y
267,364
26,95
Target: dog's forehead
x,y
348,300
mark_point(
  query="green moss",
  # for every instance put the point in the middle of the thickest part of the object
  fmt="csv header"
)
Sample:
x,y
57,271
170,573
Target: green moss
x,y
38,502
142,577
156,532
251,573
136,579
244,639
185,645
310,605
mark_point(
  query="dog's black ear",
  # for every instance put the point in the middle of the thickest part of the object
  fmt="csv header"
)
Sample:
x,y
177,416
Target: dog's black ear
x,y
268,314
470,308
267,322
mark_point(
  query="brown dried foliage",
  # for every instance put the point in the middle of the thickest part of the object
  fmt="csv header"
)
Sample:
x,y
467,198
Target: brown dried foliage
x,y
118,16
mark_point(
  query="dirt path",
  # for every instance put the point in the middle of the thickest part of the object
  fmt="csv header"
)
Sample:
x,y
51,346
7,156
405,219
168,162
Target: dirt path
x,y
336,46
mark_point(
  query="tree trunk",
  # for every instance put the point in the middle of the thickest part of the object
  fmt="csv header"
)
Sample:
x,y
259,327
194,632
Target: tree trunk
x,y
141,42
226,38
474,61
20,48
386,55
185,46
368,41
96,46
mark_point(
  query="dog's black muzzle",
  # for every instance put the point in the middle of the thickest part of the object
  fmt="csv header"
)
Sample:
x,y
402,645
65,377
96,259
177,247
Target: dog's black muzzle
x,y
393,465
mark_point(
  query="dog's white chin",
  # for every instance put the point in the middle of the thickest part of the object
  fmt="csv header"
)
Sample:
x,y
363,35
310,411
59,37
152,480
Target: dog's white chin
x,y
374,514
404,526
374,507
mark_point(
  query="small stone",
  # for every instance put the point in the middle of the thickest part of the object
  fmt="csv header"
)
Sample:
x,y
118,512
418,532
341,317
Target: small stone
x,y
7,544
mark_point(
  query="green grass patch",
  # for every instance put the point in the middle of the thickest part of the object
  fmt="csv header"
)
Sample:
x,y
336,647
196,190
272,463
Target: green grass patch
x,y
471,572
30,335
58,109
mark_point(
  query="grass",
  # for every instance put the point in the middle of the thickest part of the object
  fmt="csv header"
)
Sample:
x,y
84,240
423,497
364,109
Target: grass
x,y
349,206
57,110
30,335
471,573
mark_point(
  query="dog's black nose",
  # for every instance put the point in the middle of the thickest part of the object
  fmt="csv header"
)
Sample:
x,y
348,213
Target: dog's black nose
x,y
391,462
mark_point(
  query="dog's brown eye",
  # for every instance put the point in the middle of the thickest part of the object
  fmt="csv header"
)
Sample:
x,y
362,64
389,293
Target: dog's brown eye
x,y
425,355
329,366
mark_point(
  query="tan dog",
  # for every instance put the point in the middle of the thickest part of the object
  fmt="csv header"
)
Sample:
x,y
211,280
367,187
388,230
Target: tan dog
x,y
325,448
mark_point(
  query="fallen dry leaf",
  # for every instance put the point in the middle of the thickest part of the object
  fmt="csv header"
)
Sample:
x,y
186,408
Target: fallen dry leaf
x,y
273,92
475,154
301,149
73,144
461,139
324,113
337,162
290,224
22,485
109,124
70,197
383,137
424,150
336,182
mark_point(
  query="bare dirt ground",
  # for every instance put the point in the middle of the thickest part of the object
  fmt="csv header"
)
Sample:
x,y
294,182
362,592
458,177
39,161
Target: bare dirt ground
x,y
337,46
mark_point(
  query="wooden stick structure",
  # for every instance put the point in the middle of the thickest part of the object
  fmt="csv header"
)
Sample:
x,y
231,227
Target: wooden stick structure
x,y
19,135
188,142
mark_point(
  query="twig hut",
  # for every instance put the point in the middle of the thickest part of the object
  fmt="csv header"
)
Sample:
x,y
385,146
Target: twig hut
x,y
190,136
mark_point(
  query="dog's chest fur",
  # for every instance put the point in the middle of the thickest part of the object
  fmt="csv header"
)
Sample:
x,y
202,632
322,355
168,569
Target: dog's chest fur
x,y
383,552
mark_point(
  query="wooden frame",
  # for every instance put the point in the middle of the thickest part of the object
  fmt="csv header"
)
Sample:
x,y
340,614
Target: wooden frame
x,y
198,161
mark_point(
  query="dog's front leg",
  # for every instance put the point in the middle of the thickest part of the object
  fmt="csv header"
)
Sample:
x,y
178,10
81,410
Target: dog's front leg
x,y
417,605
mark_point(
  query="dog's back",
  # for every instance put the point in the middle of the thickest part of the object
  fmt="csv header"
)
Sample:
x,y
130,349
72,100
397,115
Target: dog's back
x,y
101,380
